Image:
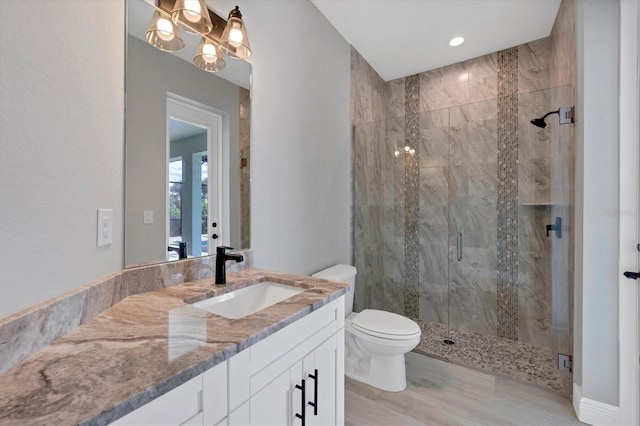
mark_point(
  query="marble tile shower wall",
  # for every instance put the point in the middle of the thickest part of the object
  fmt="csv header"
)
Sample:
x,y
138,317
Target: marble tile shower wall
x,y
378,194
457,192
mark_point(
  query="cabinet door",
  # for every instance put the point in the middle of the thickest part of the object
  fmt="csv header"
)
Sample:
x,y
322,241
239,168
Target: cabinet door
x,y
270,406
320,371
214,394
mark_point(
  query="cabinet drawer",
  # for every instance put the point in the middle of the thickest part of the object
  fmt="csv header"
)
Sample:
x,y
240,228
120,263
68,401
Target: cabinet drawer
x,y
173,408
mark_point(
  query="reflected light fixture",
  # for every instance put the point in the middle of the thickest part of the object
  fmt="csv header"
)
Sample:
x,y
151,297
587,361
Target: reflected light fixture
x,y
193,15
407,150
163,34
208,57
456,41
218,35
234,41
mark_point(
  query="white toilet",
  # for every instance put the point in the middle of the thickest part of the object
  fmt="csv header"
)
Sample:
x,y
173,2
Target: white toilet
x,y
375,341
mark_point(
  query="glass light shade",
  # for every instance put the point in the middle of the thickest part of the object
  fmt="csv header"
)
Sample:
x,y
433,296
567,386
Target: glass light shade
x,y
163,34
208,57
234,41
194,15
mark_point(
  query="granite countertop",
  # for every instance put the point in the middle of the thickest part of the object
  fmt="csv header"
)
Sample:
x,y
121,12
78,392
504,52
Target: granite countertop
x,y
144,346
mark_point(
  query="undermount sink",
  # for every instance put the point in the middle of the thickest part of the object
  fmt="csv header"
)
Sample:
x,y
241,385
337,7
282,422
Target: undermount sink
x,y
248,300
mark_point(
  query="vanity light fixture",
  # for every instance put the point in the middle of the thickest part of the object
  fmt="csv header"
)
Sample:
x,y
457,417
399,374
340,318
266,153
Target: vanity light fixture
x,y
235,42
456,41
218,35
163,34
193,15
208,57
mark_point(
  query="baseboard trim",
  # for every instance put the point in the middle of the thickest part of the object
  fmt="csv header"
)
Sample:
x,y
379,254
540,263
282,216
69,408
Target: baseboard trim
x,y
594,412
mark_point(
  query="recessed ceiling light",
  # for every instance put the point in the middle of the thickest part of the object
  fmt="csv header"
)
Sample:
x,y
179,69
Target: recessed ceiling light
x,y
456,41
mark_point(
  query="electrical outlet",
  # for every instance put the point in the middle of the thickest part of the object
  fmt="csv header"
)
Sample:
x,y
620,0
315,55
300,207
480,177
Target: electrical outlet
x,y
105,227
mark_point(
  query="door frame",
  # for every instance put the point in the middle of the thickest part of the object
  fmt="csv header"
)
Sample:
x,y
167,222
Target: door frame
x,y
216,122
629,237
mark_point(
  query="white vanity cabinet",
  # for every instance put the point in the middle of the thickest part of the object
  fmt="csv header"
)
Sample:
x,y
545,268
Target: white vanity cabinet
x,y
262,385
201,400
266,379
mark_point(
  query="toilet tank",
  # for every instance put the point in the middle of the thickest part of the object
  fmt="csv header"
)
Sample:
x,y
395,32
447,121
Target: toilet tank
x,y
345,274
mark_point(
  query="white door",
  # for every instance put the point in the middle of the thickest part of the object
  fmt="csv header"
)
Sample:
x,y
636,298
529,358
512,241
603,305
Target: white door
x,y
629,262
215,230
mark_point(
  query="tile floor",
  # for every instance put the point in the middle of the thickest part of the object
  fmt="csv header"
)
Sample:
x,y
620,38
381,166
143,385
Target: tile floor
x,y
501,356
441,393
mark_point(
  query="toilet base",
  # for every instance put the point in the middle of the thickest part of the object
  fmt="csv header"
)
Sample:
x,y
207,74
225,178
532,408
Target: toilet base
x,y
385,372
388,373
374,361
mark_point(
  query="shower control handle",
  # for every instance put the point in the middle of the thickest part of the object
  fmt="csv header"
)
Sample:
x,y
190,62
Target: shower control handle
x,y
556,227
459,246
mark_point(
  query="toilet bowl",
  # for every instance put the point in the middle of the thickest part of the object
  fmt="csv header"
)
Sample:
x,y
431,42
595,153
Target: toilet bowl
x,y
375,340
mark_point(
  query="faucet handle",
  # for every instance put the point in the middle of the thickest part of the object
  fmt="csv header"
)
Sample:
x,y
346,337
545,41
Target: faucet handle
x,y
222,249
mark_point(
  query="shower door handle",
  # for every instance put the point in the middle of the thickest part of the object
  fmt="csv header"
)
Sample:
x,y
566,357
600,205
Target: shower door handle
x,y
459,246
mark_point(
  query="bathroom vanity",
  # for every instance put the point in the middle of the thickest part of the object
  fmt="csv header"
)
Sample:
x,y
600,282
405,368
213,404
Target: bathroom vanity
x,y
264,383
156,358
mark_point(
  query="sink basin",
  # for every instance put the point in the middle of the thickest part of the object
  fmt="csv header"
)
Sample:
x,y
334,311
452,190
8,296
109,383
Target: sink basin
x,y
248,300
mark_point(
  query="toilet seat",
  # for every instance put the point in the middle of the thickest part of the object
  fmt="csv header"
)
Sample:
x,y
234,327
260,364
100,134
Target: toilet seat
x,y
385,325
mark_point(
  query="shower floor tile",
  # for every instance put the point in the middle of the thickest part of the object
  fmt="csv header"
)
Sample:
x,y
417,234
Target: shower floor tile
x,y
501,356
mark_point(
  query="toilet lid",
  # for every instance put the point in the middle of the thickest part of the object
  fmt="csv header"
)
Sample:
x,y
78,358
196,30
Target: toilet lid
x,y
377,322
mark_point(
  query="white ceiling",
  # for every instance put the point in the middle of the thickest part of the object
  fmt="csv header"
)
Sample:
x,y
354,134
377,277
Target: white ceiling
x,y
181,130
404,37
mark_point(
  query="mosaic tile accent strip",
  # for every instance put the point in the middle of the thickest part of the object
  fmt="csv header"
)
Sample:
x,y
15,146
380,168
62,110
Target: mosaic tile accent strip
x,y
517,360
412,198
507,238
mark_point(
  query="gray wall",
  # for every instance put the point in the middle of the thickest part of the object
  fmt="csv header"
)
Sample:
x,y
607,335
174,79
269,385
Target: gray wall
x,y
597,189
72,85
61,151
152,73
300,168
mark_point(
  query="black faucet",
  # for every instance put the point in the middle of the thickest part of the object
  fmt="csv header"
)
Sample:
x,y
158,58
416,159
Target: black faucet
x,y
181,249
221,259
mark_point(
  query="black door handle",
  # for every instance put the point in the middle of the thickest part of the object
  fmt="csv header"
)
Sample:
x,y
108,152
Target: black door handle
x,y
314,404
214,236
303,403
632,275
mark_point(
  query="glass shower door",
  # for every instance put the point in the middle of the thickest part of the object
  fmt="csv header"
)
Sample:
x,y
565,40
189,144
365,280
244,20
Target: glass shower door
x,y
510,204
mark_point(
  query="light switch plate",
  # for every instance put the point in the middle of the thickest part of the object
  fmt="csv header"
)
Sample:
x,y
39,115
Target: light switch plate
x,y
148,217
105,227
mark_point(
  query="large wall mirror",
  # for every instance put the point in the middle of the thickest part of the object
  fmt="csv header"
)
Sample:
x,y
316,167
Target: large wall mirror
x,y
187,150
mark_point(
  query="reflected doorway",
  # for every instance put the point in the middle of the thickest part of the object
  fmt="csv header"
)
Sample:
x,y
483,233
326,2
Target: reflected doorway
x,y
193,180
